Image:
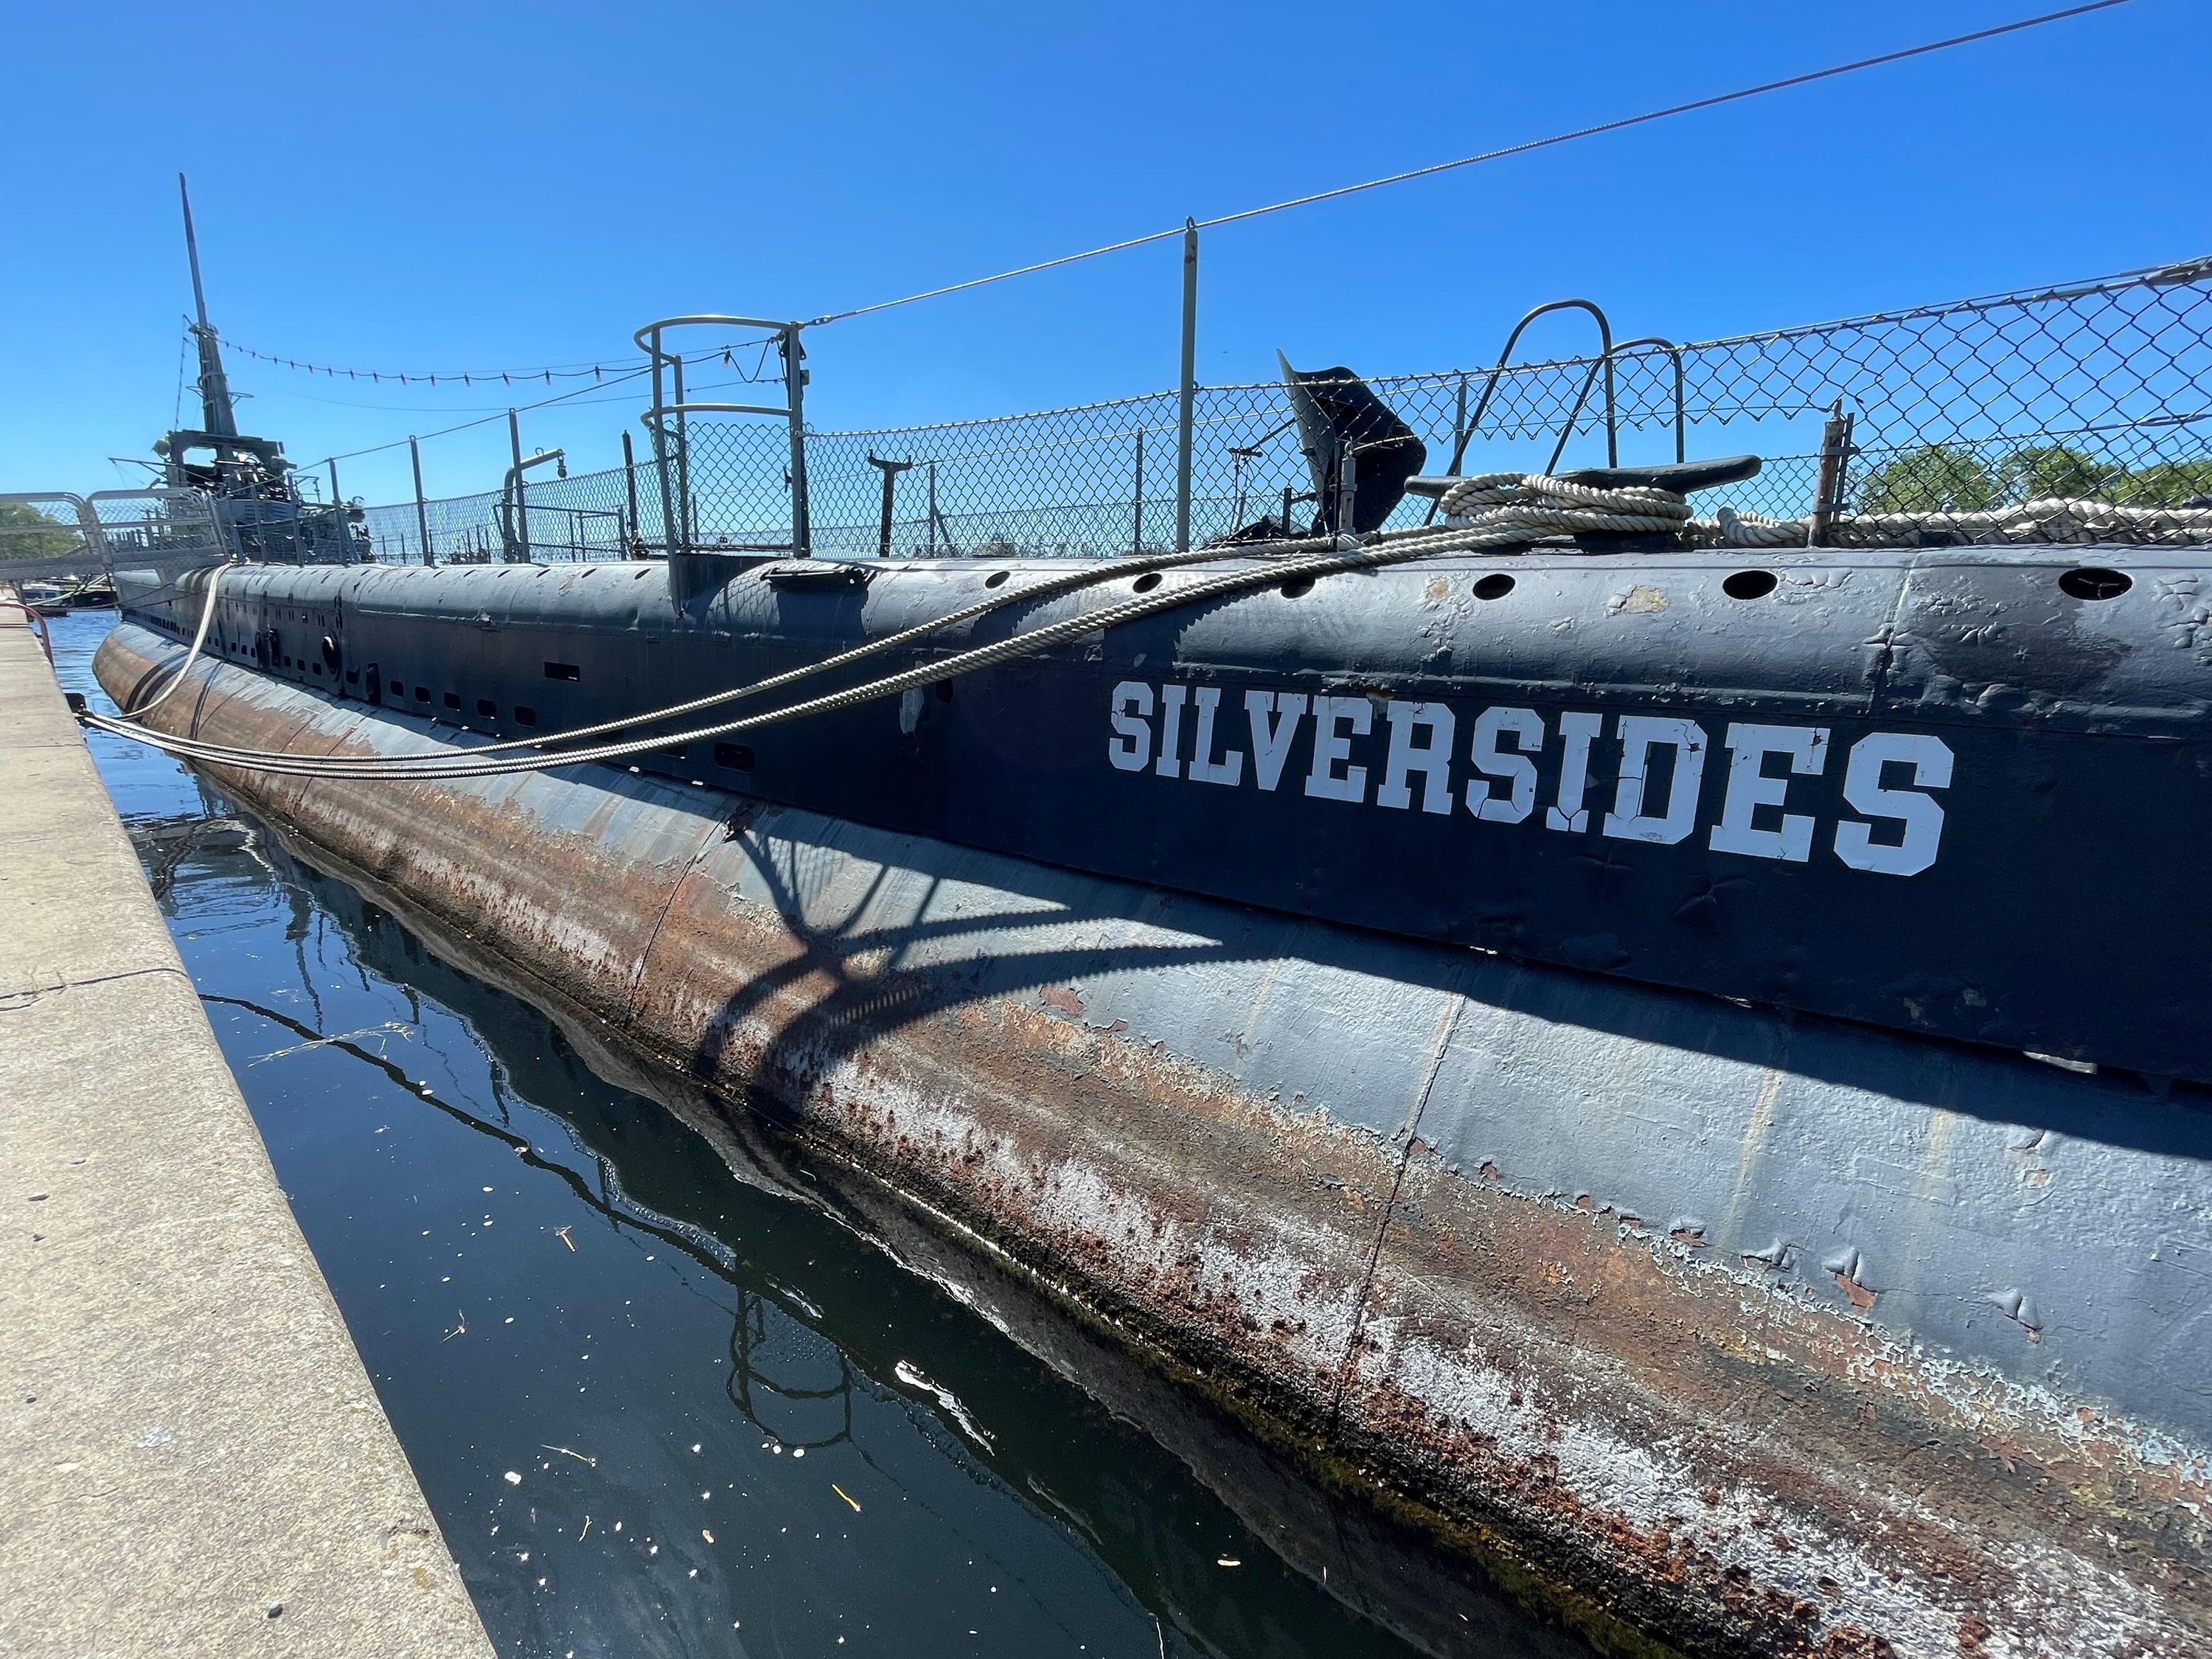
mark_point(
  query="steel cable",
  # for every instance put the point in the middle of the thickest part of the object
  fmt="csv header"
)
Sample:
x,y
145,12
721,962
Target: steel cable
x,y
1049,588
1510,524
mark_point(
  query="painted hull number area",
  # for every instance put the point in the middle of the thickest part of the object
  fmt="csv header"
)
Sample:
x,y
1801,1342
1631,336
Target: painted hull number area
x,y
1761,792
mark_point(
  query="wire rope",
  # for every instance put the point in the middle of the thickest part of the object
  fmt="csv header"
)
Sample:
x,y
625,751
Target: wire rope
x,y
1528,517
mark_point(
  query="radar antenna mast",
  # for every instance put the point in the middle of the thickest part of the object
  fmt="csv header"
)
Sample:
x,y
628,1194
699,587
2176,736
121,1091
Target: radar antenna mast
x,y
215,413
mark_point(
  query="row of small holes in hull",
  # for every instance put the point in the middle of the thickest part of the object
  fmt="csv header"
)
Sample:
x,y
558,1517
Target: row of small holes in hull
x,y
2086,583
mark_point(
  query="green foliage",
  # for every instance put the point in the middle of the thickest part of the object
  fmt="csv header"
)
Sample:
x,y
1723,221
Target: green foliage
x,y
1950,478
27,533
2169,483
2055,471
1934,478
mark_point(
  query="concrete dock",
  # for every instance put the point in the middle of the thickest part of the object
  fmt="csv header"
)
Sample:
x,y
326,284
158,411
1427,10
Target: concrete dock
x,y
193,1459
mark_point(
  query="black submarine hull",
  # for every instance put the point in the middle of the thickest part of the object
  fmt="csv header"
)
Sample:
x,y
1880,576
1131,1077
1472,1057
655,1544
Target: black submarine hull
x,y
1710,1317
1930,790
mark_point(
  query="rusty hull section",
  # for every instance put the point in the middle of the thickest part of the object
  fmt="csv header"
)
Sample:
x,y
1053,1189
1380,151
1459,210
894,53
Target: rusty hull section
x,y
1731,1333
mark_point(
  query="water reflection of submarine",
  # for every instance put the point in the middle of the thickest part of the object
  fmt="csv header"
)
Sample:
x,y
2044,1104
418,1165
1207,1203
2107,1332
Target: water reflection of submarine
x,y
676,1159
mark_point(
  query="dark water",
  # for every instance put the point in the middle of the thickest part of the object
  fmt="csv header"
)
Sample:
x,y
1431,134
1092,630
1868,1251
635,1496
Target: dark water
x,y
658,1410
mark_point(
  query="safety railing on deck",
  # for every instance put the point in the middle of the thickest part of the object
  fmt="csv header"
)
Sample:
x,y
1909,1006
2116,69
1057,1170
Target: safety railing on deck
x,y
55,537
1977,413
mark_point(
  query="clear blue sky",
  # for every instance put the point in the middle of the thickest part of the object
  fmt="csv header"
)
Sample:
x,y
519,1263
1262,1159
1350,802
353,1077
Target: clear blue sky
x,y
402,186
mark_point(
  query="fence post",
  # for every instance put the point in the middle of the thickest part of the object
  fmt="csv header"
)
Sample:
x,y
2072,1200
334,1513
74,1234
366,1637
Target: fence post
x,y
1828,488
1136,525
661,456
683,506
1188,391
519,531
629,491
422,509
794,386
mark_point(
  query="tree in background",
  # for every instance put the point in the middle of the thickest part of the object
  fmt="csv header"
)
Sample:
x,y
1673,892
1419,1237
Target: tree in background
x,y
27,533
1932,478
2170,484
2048,471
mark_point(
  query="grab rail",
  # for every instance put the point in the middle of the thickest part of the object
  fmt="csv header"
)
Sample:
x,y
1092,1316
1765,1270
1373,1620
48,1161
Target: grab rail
x,y
678,530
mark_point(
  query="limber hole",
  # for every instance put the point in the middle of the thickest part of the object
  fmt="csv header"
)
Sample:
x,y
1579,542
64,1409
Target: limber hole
x,y
563,671
996,579
488,709
944,689
1749,584
524,716
422,694
452,700
1297,587
735,756
1496,585
1147,582
2091,583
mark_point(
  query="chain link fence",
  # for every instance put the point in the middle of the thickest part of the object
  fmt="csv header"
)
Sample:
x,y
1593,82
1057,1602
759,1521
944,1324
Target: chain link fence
x,y
81,539
1959,414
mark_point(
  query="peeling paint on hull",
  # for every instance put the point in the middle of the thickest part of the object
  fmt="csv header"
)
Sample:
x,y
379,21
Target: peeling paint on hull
x,y
1757,1335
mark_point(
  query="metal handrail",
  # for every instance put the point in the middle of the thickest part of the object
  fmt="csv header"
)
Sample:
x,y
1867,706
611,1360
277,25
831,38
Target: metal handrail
x,y
88,526
1603,361
220,551
1681,420
656,419
514,506
1498,370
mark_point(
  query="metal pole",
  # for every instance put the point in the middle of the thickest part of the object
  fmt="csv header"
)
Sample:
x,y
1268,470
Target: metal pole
x,y
683,461
1188,393
1137,526
661,456
629,491
794,386
1828,489
932,509
891,470
337,509
422,507
517,530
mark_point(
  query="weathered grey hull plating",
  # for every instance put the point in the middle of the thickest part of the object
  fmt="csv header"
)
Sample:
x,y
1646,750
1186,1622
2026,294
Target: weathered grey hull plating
x,y
1754,1333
